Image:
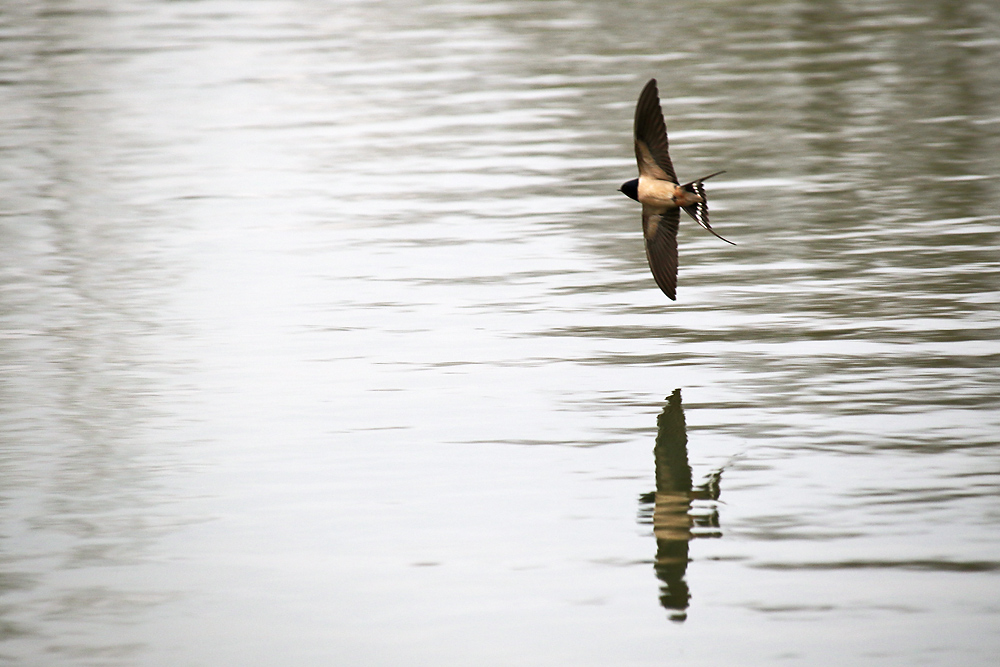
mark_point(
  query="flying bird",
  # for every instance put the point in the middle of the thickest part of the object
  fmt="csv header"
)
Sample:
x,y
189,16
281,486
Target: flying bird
x,y
658,191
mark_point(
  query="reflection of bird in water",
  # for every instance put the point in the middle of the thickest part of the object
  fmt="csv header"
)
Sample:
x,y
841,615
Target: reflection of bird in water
x,y
674,525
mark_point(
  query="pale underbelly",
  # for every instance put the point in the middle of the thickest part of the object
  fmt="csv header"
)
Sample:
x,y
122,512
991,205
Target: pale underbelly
x,y
661,194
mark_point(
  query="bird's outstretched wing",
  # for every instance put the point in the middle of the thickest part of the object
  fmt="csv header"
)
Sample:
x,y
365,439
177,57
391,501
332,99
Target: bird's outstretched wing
x,y
659,229
652,151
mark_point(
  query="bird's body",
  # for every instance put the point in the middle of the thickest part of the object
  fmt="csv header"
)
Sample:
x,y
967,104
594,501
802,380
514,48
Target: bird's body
x,y
663,194
659,192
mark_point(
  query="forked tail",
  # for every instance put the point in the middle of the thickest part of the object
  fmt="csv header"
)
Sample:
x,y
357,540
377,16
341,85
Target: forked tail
x,y
699,211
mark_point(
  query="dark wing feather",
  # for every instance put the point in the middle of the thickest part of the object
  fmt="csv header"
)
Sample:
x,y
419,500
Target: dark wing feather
x,y
659,229
652,150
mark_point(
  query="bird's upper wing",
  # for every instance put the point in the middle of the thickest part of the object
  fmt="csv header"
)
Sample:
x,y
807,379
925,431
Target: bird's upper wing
x,y
652,150
659,229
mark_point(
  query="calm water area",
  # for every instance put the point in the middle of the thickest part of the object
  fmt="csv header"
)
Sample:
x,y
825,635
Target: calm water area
x,y
326,338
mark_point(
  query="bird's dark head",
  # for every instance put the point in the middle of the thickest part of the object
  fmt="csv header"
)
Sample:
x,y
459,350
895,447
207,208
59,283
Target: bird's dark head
x,y
630,189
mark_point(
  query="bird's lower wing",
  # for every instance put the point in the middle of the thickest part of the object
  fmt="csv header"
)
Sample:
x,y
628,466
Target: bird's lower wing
x,y
659,229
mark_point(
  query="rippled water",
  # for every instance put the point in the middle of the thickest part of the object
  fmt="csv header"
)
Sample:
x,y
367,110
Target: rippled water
x,y
325,337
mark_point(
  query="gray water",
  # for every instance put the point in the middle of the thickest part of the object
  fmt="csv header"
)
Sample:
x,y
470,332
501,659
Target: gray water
x,y
326,339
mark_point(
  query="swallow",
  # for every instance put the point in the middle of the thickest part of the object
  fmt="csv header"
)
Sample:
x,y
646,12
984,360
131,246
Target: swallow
x,y
660,194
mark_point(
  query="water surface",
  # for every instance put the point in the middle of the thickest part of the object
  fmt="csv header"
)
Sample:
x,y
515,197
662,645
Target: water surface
x,y
325,337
